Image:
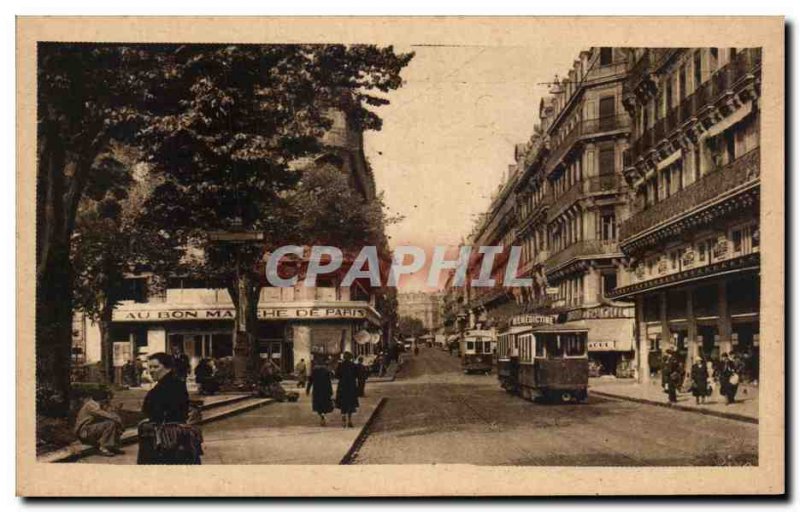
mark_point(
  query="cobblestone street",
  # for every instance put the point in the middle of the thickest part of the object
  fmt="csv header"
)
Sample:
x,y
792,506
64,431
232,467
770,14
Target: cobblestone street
x,y
436,414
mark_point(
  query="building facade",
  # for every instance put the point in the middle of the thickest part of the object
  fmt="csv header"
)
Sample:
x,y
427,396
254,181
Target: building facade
x,y
692,237
197,318
570,200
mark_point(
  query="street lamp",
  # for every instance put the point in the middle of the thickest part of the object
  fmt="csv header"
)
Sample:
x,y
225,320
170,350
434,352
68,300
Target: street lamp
x,y
245,349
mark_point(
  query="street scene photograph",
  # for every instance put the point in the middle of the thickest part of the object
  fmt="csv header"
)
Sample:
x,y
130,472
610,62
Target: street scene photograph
x,y
351,254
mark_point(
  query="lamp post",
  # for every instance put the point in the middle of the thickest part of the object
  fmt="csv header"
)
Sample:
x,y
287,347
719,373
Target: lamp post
x,y
245,346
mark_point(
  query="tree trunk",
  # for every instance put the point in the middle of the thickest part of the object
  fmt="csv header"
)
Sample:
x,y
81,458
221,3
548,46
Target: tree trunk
x,y
53,282
106,342
246,360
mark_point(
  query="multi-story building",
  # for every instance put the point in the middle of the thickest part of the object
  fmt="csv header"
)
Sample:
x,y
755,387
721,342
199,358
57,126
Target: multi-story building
x,y
571,198
196,317
424,306
692,238
494,306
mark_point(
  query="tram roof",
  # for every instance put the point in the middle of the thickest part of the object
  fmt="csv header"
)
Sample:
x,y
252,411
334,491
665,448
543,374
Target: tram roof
x,y
579,326
478,333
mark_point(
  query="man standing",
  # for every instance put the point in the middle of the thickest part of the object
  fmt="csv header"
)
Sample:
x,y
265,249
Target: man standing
x,y
98,426
728,379
181,364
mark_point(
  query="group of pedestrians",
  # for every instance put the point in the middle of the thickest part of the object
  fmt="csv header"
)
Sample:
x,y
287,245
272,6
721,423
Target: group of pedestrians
x,y
703,374
168,435
352,378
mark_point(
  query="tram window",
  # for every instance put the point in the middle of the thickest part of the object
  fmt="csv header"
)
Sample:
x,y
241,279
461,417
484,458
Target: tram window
x,y
487,347
552,347
539,348
470,345
575,346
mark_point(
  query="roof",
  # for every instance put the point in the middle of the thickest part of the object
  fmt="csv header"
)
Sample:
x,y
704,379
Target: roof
x,y
516,329
579,326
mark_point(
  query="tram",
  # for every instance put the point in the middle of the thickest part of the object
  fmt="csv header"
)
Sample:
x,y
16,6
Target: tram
x,y
477,351
508,357
553,363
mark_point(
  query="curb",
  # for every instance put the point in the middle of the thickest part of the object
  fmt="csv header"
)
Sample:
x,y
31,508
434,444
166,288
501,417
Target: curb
x,y
131,435
351,454
707,412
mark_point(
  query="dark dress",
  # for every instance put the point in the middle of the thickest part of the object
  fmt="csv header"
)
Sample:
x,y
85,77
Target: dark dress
x,y
726,387
319,382
166,403
363,375
699,380
347,389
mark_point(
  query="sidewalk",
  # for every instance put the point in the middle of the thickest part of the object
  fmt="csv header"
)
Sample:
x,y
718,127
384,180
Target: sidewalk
x,y
283,433
389,376
744,409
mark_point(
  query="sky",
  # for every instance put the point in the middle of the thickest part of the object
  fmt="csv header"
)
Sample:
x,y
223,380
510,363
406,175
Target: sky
x,y
449,133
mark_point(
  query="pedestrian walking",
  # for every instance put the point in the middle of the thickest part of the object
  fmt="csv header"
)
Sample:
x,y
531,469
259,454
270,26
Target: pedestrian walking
x,y
165,437
97,425
728,379
301,372
699,381
319,382
363,375
347,389
672,375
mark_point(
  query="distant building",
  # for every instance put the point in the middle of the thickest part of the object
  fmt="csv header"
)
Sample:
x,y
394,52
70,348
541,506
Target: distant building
x,y
427,307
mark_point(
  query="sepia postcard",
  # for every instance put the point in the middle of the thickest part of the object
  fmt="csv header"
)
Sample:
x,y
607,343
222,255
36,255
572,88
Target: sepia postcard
x,y
451,256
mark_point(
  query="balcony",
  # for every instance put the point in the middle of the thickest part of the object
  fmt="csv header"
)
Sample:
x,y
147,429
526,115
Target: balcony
x,y
585,129
724,82
650,62
584,249
708,189
542,205
610,184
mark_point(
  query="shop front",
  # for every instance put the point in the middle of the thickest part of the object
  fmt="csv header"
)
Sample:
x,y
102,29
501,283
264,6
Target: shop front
x,y
610,339
286,333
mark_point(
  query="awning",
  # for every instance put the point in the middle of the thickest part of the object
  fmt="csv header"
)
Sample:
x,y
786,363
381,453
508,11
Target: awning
x,y
729,121
452,337
610,334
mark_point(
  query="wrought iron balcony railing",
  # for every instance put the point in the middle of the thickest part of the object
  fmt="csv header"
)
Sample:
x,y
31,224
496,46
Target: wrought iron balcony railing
x,y
581,249
584,129
744,169
744,64
597,184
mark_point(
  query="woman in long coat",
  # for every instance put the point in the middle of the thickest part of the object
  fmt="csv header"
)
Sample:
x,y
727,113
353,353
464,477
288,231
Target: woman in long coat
x,y
165,437
320,382
699,380
347,389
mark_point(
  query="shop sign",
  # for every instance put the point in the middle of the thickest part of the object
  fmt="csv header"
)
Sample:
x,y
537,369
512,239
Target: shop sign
x,y
228,314
531,319
601,312
596,346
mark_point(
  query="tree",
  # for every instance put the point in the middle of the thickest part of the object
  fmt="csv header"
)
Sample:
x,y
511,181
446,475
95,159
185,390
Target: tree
x,y
226,125
111,242
84,93
410,327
